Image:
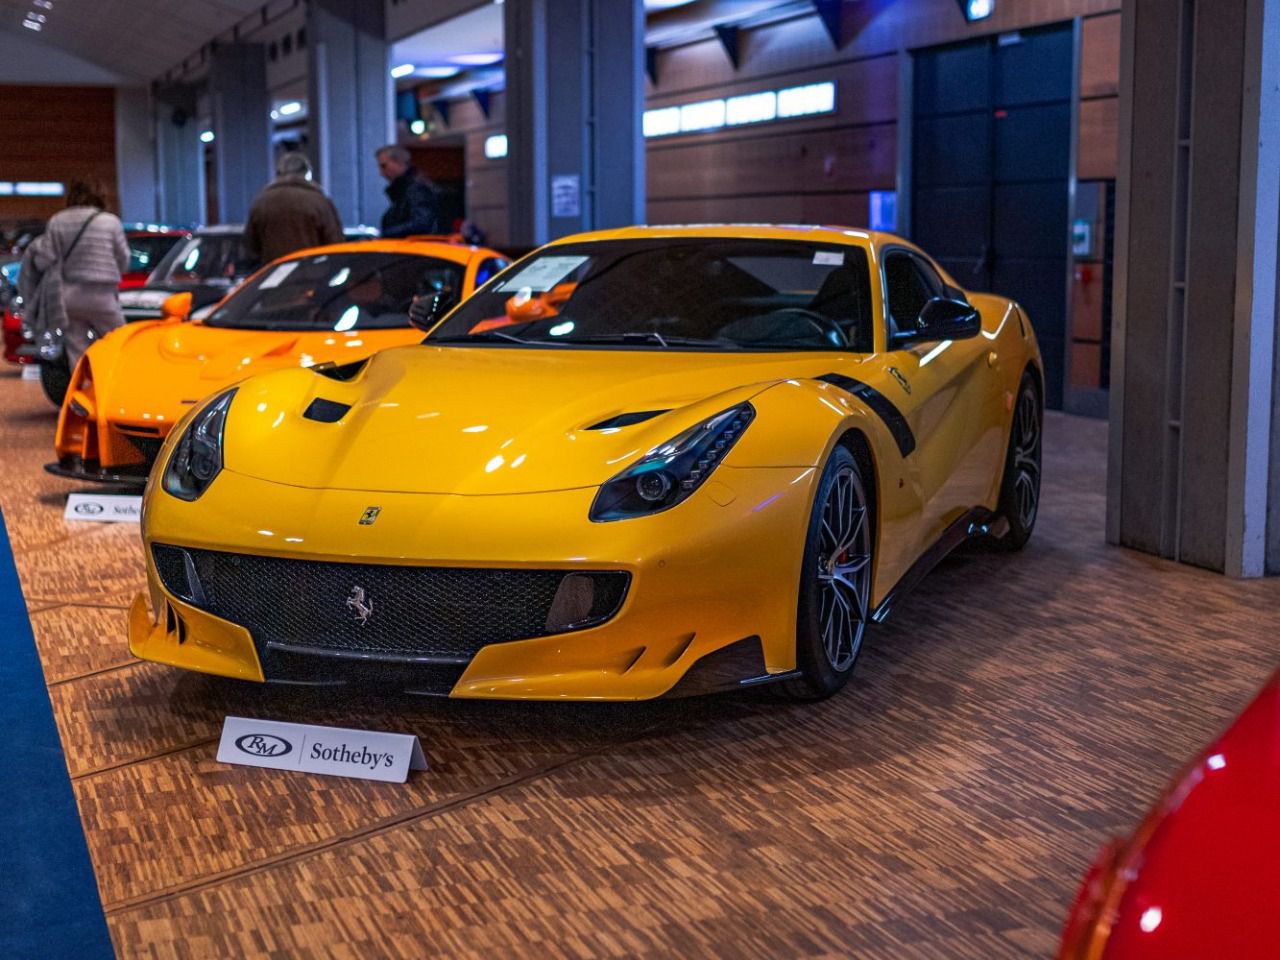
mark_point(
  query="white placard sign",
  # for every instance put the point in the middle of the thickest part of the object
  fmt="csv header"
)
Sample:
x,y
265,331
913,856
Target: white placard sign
x,y
543,274
31,371
333,751
566,195
104,508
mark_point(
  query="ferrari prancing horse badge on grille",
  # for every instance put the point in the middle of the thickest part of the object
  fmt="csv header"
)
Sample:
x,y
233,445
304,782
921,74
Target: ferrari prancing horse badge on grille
x,y
370,514
361,605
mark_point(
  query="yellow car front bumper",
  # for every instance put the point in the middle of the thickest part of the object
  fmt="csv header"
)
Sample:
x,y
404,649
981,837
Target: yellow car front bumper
x,y
717,574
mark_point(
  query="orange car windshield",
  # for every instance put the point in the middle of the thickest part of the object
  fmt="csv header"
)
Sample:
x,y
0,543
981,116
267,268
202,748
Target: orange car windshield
x,y
338,292
687,292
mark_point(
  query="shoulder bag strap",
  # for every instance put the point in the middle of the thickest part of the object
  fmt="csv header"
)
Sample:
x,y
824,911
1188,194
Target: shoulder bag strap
x,y
79,233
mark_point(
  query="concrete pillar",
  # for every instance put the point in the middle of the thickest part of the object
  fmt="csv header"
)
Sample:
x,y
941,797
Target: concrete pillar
x,y
135,156
575,73
241,126
349,103
179,156
1194,474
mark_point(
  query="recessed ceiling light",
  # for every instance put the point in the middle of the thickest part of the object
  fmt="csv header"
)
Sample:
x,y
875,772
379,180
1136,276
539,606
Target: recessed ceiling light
x,y
977,9
206,136
290,108
403,70
418,127
33,25
438,73
477,59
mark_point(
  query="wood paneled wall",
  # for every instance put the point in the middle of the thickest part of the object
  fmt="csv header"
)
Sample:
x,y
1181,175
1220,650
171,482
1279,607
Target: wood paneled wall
x,y
817,169
1097,154
486,180
56,133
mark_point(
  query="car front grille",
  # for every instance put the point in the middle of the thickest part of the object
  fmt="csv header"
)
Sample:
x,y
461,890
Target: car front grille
x,y
387,612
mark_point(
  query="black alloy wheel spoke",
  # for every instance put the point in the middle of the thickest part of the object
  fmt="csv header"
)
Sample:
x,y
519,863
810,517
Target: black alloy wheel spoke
x,y
844,569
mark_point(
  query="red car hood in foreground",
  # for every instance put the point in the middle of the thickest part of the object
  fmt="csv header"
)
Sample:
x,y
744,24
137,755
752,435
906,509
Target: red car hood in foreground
x,y
1201,876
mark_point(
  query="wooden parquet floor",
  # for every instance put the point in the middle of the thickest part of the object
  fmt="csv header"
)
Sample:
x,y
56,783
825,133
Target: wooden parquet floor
x,y
1013,714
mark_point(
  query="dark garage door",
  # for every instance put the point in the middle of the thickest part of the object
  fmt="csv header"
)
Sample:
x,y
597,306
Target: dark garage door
x,y
991,160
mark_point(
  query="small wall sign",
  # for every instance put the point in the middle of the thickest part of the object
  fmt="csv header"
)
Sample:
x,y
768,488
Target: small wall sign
x,y
566,195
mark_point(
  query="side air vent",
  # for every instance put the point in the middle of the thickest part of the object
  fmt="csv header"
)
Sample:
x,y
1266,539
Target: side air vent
x,y
627,419
326,411
344,371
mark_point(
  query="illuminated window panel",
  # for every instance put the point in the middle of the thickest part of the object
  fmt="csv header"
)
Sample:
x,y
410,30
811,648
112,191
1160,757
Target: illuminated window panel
x,y
807,100
704,115
752,108
661,123
32,188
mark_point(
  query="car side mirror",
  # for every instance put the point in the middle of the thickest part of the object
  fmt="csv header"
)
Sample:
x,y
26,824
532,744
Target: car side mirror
x,y
942,319
426,310
176,306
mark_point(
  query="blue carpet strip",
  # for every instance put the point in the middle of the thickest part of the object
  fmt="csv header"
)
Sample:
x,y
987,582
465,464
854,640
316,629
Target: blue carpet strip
x,y
49,904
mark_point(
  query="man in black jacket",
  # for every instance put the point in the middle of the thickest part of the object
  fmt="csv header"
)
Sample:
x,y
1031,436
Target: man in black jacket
x,y
413,200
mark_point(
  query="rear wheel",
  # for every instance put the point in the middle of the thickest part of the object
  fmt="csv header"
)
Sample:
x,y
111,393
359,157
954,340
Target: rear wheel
x,y
55,377
835,581
1020,488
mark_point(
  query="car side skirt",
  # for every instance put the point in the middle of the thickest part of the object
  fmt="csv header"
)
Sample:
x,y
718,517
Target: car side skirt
x,y
974,523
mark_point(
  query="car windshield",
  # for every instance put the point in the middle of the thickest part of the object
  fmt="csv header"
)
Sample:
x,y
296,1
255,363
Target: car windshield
x,y
212,259
676,293
146,250
338,292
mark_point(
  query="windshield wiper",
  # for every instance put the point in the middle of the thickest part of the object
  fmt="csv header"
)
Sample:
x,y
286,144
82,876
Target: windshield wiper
x,y
489,335
649,336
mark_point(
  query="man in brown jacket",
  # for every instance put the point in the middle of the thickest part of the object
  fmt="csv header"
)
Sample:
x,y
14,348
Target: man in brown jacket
x,y
291,213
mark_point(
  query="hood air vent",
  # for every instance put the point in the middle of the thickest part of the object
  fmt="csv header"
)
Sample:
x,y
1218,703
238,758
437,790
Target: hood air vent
x,y
627,419
325,411
345,371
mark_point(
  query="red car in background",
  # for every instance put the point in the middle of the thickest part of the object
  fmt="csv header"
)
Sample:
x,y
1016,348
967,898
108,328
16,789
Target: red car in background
x,y
11,323
1201,876
147,247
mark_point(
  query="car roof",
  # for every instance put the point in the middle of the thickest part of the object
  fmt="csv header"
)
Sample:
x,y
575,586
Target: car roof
x,y
754,231
427,248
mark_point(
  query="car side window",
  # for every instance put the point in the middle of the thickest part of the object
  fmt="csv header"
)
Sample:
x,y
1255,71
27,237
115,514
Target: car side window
x,y
930,277
489,269
907,289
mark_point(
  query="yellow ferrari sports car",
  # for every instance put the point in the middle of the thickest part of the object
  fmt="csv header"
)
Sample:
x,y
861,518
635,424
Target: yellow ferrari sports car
x,y
636,463
325,305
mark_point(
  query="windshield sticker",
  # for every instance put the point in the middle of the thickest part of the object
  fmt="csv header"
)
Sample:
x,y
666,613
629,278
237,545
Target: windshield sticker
x,y
829,258
543,274
279,275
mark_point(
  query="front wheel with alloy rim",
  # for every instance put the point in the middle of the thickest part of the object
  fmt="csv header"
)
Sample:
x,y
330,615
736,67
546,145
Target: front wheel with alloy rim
x,y
835,580
1020,487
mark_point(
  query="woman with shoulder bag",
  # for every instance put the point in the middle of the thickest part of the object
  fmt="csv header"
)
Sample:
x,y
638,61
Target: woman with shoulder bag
x,y
84,252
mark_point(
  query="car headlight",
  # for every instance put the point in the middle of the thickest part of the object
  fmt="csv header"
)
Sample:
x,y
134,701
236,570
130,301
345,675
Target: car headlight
x,y
197,457
669,473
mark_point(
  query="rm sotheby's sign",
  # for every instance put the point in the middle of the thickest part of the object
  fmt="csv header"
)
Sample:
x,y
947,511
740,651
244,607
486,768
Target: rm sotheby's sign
x,y
334,751
109,508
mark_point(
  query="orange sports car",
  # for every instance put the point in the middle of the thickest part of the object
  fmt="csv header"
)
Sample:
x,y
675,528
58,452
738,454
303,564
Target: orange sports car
x,y
328,305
